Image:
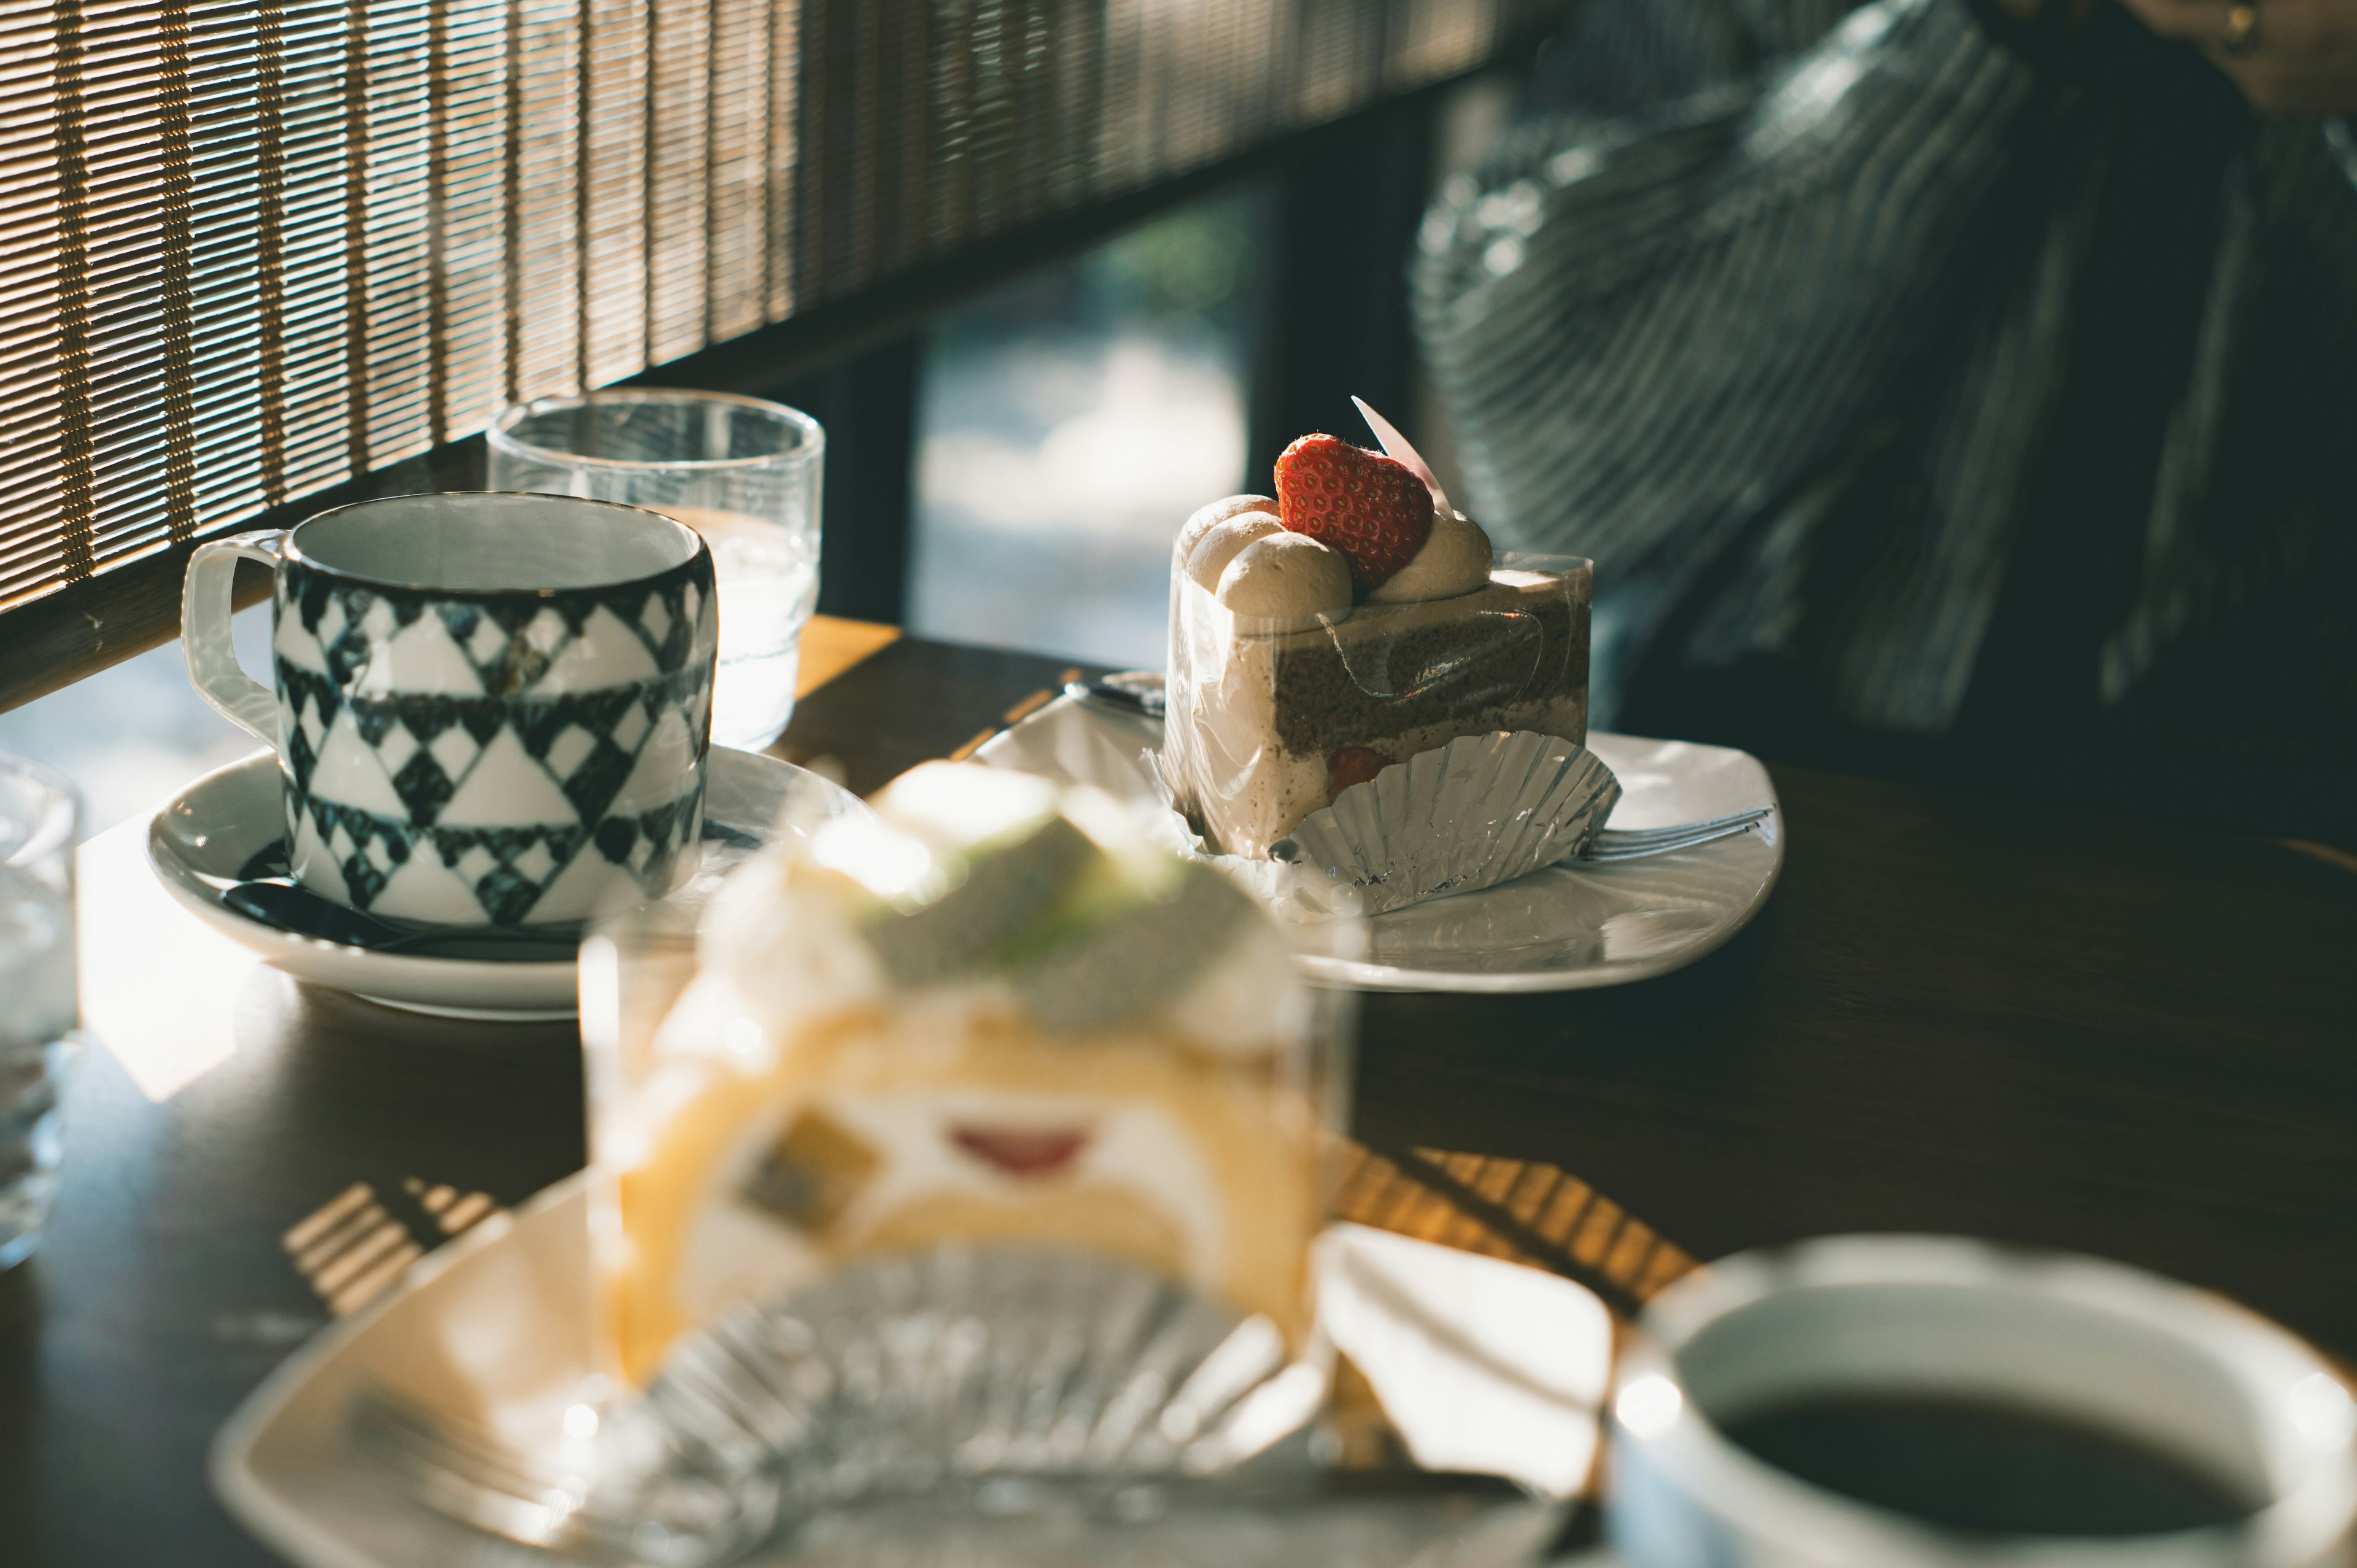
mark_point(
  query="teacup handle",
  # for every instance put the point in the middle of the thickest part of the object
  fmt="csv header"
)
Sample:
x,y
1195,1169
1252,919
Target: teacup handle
x,y
205,607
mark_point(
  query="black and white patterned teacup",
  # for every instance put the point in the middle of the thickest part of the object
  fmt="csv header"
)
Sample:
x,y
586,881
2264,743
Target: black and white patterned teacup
x,y
490,709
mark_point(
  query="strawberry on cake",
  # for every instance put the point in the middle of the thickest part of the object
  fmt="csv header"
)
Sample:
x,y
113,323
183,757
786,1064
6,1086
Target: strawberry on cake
x,y
1351,622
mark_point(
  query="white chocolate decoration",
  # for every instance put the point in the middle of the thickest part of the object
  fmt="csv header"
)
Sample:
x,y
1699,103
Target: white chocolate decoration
x,y
1220,541
1285,582
1218,511
1454,559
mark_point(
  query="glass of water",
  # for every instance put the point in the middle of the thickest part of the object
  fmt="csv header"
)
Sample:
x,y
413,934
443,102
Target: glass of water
x,y
743,473
39,822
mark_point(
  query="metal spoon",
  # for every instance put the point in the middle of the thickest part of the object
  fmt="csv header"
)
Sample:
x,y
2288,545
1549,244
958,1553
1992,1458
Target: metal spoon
x,y
1132,690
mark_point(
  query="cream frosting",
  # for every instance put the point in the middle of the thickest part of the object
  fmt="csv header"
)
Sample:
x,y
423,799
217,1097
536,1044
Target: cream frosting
x,y
1454,559
1283,583
1246,1005
1218,544
784,944
1206,518
733,1252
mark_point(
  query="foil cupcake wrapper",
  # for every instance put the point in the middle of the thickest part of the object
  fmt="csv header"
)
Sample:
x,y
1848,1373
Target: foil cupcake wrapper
x,y
930,1372
1481,811
973,1404
969,1404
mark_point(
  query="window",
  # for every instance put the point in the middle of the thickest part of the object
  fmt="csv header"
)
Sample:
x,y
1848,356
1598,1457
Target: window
x,y
256,254
1067,424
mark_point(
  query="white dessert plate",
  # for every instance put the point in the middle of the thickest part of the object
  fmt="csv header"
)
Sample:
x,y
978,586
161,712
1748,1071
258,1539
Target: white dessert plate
x,y
1566,927
1482,1365
203,838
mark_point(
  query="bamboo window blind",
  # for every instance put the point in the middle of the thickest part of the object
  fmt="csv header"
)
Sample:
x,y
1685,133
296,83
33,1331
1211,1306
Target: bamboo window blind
x,y
252,249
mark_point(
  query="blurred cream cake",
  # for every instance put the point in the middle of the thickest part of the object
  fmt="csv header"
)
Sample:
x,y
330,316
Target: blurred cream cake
x,y
1318,637
997,1013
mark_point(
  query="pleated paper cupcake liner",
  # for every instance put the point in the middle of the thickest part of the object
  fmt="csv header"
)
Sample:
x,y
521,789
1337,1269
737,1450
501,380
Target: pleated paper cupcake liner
x,y
1481,811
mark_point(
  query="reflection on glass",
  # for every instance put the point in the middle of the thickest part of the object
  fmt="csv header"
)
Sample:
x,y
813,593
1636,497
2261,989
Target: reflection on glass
x,y
131,735
38,1014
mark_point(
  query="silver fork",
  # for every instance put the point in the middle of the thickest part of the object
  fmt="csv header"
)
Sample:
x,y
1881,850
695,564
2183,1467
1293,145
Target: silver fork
x,y
1635,843
673,1515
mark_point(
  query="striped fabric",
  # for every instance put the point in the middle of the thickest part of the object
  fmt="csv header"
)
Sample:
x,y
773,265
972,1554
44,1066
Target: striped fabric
x,y
1771,311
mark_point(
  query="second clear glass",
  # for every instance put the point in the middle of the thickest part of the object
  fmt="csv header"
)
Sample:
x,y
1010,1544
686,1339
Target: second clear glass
x,y
38,1013
743,473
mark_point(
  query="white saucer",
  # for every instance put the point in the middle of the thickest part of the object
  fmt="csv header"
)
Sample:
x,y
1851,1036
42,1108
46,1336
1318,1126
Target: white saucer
x,y
1483,1366
202,839
1561,929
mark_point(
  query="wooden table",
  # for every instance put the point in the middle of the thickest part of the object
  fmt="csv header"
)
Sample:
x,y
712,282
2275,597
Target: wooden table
x,y
1954,1014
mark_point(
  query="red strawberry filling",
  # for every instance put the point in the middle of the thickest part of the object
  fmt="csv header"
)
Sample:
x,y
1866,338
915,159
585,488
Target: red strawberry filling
x,y
1373,510
1348,764
1022,1152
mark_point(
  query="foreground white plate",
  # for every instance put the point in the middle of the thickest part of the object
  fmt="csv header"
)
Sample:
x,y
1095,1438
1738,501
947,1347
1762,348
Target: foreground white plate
x,y
205,835
1562,928
1482,1365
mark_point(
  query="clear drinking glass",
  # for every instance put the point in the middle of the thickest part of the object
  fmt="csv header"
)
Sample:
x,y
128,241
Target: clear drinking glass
x,y
743,473
40,818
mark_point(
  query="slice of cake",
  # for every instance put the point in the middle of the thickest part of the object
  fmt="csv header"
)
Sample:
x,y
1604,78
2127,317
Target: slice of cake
x,y
998,1014
1346,626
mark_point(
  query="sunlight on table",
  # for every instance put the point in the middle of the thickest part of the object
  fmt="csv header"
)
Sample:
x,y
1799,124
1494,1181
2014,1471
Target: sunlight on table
x,y
159,987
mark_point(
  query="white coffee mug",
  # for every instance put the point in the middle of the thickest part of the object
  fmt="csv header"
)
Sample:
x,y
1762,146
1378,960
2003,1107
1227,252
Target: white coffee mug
x,y
488,709
2176,1371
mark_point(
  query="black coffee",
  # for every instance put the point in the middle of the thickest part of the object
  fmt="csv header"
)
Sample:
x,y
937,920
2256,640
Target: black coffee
x,y
1985,1469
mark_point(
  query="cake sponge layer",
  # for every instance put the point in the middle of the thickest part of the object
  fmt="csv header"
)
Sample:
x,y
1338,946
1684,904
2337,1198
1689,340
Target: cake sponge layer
x,y
1391,669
